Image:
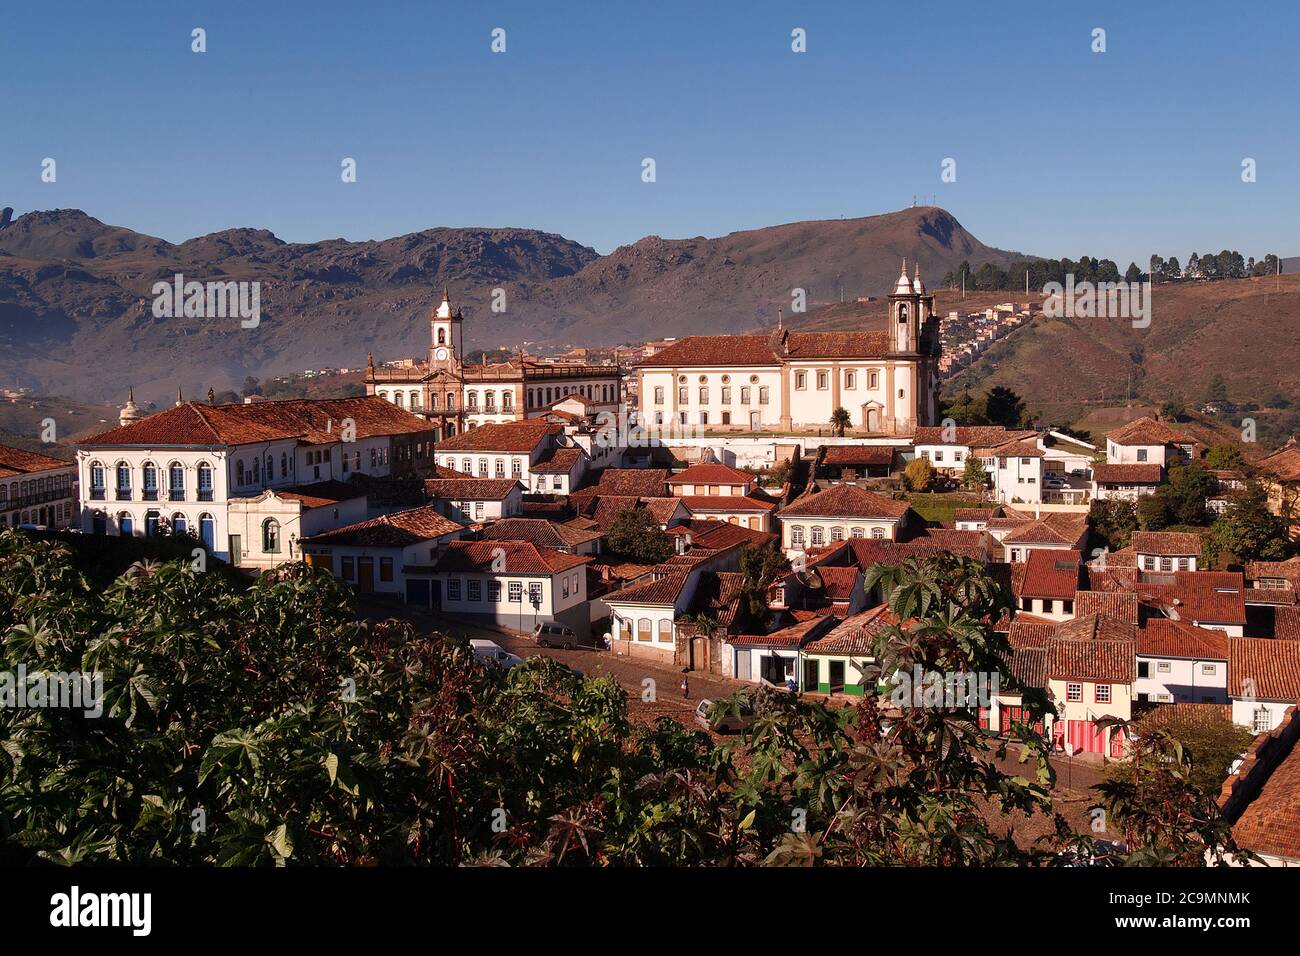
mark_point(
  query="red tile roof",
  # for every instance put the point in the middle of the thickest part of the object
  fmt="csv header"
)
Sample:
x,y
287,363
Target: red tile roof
x,y
1216,596
640,482
663,590
1283,464
1051,528
1286,623
758,350
1148,431
321,494
1102,661
391,531
558,461
1120,606
470,489
973,514
854,636
1132,474
719,535
755,502
1163,638
538,532
313,421
1264,668
981,436
1028,630
711,473
1166,543
1049,574
15,461
505,557
859,455
1028,666
845,501
1262,799
1288,570
517,437
789,637
1094,628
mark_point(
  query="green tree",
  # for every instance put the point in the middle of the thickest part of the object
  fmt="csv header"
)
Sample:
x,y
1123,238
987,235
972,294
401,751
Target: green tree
x,y
1217,390
1113,521
1248,531
759,567
1004,407
918,474
1172,411
1153,512
840,421
1185,492
974,474
1224,457
635,535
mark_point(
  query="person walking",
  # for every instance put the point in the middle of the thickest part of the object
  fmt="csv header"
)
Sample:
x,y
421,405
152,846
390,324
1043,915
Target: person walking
x,y
686,688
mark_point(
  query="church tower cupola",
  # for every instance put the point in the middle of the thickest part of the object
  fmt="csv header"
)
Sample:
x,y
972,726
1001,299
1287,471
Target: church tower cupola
x,y
445,329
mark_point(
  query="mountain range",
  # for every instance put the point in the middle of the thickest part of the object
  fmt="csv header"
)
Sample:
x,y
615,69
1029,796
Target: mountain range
x,y
76,316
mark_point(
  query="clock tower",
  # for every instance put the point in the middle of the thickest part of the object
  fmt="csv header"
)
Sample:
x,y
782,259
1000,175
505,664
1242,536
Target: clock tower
x,y
445,347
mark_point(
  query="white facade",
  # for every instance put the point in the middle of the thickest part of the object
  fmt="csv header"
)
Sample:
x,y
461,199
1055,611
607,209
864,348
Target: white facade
x,y
1181,680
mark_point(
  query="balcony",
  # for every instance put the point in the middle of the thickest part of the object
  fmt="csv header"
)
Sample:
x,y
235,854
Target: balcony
x,y
97,494
149,494
124,494
205,494
176,494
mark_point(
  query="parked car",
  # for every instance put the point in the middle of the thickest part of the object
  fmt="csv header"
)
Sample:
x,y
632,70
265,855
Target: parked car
x,y
723,721
555,635
493,653
1053,480
1079,473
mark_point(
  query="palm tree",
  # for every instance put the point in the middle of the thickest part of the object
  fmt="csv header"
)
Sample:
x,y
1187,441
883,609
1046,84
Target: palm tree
x,y
840,421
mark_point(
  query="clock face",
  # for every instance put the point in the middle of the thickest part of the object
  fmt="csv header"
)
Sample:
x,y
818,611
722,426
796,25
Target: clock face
x,y
441,355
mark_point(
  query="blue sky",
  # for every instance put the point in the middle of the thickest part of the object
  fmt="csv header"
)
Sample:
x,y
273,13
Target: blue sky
x,y
1059,150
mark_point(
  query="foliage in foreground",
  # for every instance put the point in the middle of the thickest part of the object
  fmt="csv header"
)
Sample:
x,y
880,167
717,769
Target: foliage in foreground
x,y
267,726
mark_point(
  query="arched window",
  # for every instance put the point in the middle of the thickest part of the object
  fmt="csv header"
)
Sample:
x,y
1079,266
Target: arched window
x,y
284,465
643,632
399,399
180,524
415,400
665,630
96,480
796,536
208,531
837,534
257,471
205,481
125,524
151,521
857,533
149,481
878,533
762,395
271,536
239,472
471,401
176,481
123,481
818,536
270,467
442,336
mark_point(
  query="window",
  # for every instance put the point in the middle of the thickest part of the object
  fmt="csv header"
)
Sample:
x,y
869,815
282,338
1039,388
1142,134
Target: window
x,y
643,629
704,418
665,631
796,536
744,395
205,481
453,589
762,395
1163,667
346,568
823,381
683,395
150,483
659,394
856,533
1209,669
873,379
938,454
123,481
385,569
1262,720
270,536
467,466
500,468
1144,669
837,534
516,591
726,396
516,468
1142,454
564,586
535,593
850,380
704,394
878,533
475,589
800,379
176,481
1166,564
96,481
1074,692
494,591
1101,693
482,467
818,536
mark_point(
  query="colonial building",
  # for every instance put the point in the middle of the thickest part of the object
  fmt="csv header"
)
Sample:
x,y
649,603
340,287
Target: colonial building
x,y
35,489
204,469
886,380
455,396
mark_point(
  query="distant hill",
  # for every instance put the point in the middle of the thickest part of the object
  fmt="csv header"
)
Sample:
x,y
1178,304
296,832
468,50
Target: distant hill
x,y
76,319
1242,329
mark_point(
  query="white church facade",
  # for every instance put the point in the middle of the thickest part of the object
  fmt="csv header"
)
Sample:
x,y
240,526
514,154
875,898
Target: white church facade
x,y
886,379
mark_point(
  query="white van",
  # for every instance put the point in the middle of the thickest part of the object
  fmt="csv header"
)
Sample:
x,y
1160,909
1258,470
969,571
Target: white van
x,y
494,653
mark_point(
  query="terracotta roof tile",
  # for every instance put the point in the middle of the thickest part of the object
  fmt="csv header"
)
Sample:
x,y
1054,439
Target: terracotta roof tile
x,y
1166,543
859,455
517,437
854,636
312,421
556,461
1263,668
391,531
470,489
1120,606
640,482
1131,474
972,436
1148,431
538,532
1050,574
1099,661
1164,638
711,473
505,557
845,501
16,461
